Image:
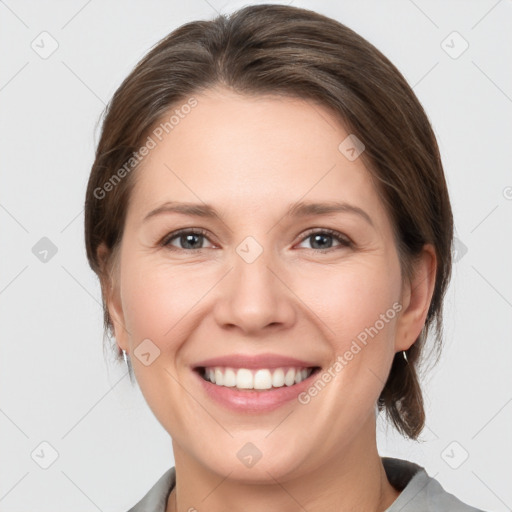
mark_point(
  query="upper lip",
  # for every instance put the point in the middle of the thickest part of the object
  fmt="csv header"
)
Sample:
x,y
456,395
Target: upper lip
x,y
254,361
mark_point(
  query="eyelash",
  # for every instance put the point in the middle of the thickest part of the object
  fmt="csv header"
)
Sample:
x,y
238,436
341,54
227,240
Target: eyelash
x,y
343,240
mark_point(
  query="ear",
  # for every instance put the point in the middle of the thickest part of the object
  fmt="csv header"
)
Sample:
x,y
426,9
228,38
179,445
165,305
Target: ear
x,y
110,287
416,296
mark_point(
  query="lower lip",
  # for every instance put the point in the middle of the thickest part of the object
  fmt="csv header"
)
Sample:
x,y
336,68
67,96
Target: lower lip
x,y
252,400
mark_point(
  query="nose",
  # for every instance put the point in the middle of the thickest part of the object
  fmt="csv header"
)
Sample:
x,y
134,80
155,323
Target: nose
x,y
255,297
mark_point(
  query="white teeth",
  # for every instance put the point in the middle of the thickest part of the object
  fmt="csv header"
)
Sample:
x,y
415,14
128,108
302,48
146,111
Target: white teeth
x,y
219,377
229,378
262,379
243,378
289,378
278,378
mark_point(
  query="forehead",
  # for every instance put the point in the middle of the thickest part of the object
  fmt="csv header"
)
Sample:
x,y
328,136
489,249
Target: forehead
x,y
251,156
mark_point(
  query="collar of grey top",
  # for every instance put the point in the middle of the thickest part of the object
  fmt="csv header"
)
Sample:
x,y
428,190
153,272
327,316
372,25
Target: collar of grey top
x,y
419,491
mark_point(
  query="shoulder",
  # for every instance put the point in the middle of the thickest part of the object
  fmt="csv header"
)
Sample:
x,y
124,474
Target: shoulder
x,y
419,491
155,500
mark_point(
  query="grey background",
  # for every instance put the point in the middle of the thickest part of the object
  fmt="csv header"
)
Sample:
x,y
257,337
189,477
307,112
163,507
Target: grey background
x,y
56,385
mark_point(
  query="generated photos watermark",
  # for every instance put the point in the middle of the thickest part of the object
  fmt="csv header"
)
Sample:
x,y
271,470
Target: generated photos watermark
x,y
341,361
151,142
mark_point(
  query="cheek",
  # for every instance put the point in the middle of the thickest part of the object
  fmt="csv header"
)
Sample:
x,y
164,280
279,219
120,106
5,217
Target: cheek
x,y
158,304
158,300
358,301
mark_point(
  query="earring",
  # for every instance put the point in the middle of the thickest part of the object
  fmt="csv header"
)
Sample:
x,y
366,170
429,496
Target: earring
x,y
128,363
405,356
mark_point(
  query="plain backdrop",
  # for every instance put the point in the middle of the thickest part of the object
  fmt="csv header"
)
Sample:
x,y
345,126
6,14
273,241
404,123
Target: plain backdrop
x,y
64,405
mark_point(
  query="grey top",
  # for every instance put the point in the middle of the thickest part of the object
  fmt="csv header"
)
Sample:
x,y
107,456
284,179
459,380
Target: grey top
x,y
419,492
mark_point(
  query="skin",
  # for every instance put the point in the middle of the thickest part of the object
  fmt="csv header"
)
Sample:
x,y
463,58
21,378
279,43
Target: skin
x,y
251,158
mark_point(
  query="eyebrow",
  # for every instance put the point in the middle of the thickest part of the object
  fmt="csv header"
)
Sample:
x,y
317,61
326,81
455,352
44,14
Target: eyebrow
x,y
300,209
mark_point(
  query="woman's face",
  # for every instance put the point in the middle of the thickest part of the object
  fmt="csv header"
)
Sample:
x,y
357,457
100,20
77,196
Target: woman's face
x,y
257,281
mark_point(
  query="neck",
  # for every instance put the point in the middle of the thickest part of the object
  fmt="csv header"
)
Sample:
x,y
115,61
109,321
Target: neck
x,y
354,478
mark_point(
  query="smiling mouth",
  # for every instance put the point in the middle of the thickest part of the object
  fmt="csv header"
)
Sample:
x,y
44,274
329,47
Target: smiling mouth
x,y
263,379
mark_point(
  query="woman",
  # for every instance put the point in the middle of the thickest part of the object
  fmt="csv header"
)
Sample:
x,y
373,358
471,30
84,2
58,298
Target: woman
x,y
269,219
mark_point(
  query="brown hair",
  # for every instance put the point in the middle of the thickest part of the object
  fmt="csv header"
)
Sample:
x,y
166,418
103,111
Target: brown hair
x,y
272,49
